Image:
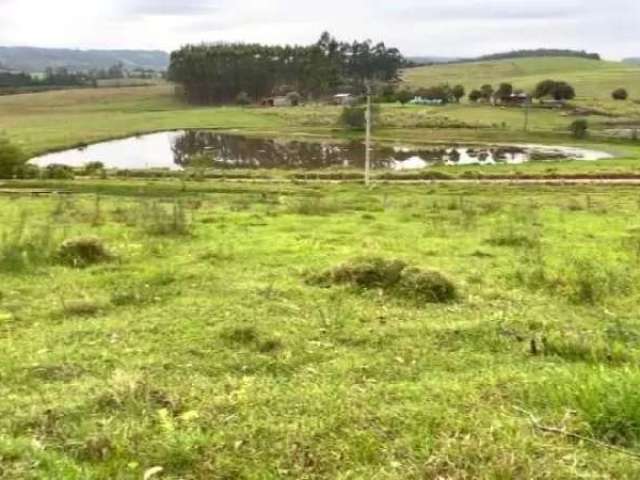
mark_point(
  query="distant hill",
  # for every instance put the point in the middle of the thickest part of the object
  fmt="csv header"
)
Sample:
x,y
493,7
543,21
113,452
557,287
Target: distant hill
x,y
428,60
591,78
540,52
33,59
633,60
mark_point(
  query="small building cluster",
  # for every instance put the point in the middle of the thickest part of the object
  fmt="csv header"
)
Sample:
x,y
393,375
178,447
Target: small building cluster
x,y
515,99
419,100
293,100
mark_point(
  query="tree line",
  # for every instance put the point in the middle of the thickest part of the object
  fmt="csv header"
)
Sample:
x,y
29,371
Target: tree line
x,y
63,77
215,73
558,90
52,78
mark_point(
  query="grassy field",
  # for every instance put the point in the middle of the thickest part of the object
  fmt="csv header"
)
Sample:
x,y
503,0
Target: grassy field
x,y
593,80
55,120
196,330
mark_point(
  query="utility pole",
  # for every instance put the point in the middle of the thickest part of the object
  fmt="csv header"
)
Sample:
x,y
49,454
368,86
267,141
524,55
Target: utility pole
x,y
526,114
367,158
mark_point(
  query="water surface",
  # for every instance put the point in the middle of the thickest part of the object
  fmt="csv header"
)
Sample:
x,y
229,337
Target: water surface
x,y
177,150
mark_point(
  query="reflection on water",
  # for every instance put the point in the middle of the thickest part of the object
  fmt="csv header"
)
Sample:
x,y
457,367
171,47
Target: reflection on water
x,y
202,148
205,148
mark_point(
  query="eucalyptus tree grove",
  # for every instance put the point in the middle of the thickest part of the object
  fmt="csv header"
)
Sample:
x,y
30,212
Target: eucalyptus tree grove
x,y
212,73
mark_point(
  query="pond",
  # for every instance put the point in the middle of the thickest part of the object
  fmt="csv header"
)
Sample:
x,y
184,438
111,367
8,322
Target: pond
x,y
177,150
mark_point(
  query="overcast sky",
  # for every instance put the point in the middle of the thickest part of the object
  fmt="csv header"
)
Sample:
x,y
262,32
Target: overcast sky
x,y
417,27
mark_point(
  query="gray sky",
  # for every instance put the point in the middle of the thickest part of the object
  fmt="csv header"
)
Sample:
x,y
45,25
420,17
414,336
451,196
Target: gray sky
x,y
417,27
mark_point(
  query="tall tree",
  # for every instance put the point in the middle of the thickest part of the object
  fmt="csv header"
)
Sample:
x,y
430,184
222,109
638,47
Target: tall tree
x,y
219,72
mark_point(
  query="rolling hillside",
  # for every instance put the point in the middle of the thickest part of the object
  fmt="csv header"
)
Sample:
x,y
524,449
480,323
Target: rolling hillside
x,y
593,80
32,60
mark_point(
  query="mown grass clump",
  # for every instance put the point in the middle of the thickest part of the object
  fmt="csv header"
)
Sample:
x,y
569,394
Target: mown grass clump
x,y
395,277
81,308
250,337
83,252
364,272
429,286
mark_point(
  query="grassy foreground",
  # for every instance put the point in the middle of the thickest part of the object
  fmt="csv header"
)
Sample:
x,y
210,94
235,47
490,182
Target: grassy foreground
x,y
199,345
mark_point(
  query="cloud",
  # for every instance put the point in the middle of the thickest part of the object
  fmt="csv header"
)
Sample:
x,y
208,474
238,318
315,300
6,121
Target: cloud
x,y
167,7
417,27
506,10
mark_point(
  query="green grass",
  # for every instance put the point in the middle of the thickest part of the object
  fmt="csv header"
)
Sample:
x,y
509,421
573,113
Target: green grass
x,y
56,120
593,80
210,354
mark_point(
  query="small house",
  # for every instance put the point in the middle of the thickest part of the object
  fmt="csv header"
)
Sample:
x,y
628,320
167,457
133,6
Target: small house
x,y
345,99
282,101
515,99
552,103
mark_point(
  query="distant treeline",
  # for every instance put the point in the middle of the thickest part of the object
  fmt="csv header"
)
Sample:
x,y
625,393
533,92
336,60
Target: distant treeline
x,y
13,83
55,78
540,52
221,72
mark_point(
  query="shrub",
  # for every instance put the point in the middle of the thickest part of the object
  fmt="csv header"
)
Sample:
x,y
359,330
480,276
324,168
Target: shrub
x,y
475,95
579,128
27,171
355,117
295,98
458,92
590,281
557,90
93,168
82,252
58,172
404,96
606,402
580,347
21,249
243,99
620,94
11,158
